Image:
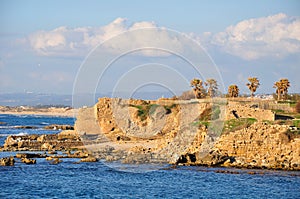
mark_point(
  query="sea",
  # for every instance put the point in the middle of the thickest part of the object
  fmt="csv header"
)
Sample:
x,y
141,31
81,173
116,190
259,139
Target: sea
x,y
71,179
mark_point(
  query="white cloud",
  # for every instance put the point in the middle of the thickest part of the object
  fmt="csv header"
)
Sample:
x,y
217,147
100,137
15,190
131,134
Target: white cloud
x,y
272,36
42,41
65,41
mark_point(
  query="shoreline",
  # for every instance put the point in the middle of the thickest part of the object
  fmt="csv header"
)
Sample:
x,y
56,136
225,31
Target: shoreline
x,y
45,112
55,114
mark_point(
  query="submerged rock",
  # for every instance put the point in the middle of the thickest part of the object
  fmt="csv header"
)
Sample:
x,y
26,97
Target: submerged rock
x,y
59,127
89,159
54,160
28,161
30,155
7,161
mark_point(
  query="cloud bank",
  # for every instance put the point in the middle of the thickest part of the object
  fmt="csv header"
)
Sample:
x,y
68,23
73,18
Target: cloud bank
x,y
65,41
275,36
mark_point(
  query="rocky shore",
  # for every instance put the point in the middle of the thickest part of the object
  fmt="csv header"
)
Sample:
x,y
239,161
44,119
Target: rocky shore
x,y
189,133
197,132
52,147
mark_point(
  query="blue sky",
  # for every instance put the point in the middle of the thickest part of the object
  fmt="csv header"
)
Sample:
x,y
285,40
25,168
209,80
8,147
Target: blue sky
x,y
42,46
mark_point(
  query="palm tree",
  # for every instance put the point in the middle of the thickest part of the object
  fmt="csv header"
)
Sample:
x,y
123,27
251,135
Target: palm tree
x,y
253,85
282,87
212,87
277,85
233,90
285,86
198,89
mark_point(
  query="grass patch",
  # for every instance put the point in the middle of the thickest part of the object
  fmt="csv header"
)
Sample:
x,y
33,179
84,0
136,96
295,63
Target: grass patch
x,y
278,111
215,112
201,123
145,110
296,123
287,102
237,124
268,122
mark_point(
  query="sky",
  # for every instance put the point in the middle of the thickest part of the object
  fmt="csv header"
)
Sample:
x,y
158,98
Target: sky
x,y
45,45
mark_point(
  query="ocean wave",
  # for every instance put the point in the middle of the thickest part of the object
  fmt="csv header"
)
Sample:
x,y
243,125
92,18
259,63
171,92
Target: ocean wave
x,y
34,128
7,127
18,134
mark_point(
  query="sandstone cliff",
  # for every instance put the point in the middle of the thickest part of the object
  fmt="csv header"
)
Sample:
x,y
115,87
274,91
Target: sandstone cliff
x,y
194,132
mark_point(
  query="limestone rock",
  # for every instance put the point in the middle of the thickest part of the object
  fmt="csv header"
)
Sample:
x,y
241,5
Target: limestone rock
x,y
30,155
59,127
7,161
68,134
28,161
89,159
54,160
46,146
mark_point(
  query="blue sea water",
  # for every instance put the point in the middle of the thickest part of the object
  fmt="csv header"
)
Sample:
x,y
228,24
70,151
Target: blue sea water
x,y
101,180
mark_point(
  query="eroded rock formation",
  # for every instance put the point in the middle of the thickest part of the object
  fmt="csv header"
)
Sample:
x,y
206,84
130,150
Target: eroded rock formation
x,y
187,132
65,140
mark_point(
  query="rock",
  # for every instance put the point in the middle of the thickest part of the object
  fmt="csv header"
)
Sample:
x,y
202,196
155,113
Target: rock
x,y
10,142
26,127
52,152
55,160
30,155
68,134
47,142
49,158
110,158
59,127
7,161
28,161
78,154
41,138
89,159
46,146
213,158
227,163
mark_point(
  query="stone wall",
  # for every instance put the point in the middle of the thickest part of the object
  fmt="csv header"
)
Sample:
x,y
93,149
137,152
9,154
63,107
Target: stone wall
x,y
238,110
263,146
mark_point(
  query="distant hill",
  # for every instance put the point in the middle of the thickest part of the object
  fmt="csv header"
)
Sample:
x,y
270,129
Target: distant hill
x,y
42,99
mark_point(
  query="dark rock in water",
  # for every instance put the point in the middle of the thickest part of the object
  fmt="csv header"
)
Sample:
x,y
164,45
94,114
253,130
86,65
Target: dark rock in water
x,y
213,158
78,154
28,161
7,161
26,127
59,127
89,159
55,160
52,152
30,155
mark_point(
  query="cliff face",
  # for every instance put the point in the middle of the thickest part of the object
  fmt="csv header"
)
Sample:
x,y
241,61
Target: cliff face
x,y
196,132
262,145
